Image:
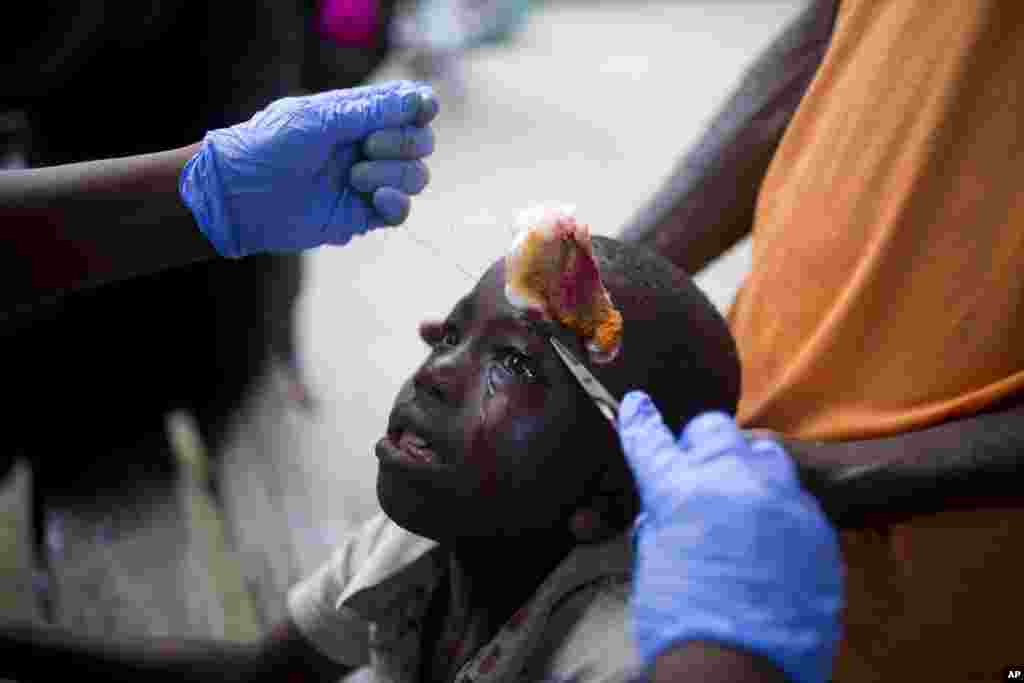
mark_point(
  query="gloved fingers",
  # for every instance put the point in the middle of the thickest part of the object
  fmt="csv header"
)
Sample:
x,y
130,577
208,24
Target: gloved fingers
x,y
276,109
427,108
406,142
409,177
650,448
354,115
391,205
712,434
363,212
774,464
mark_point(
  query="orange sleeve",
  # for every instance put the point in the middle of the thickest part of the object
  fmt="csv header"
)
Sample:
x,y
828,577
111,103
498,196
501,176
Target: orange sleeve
x,y
886,291
887,295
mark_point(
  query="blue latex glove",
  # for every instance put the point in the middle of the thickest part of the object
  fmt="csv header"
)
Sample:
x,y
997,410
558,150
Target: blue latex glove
x,y
729,548
312,170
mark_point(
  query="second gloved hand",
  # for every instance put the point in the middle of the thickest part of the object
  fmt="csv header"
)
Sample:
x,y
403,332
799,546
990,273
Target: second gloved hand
x,y
729,548
312,170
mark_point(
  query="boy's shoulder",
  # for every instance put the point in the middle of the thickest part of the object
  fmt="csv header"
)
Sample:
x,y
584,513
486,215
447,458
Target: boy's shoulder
x,y
377,579
576,627
588,634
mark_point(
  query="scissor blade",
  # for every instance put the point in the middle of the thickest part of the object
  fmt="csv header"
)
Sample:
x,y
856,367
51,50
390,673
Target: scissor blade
x,y
601,397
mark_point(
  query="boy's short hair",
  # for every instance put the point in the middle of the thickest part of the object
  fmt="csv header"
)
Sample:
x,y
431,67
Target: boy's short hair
x,y
676,344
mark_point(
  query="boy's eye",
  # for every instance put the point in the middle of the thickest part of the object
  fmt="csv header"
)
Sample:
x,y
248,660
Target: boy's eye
x,y
449,336
439,334
518,364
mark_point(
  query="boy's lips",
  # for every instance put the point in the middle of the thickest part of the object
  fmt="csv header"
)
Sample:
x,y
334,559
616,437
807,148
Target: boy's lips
x,y
416,446
406,440
392,449
412,446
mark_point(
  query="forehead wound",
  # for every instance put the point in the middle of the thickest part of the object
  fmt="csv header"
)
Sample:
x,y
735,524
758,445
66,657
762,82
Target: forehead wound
x,y
551,272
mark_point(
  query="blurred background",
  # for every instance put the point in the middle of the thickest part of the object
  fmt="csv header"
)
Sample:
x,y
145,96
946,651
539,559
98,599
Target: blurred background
x,y
589,103
184,442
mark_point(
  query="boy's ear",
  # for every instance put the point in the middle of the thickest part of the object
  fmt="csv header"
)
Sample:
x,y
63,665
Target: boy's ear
x,y
611,509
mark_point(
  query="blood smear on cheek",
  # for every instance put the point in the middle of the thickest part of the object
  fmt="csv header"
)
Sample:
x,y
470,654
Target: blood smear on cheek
x,y
484,451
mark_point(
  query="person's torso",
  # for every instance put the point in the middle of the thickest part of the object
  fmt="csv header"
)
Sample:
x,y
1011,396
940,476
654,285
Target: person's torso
x,y
886,296
889,233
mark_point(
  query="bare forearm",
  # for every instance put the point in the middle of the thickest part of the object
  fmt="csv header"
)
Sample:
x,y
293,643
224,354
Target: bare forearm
x,y
34,654
707,204
713,663
977,461
30,652
82,224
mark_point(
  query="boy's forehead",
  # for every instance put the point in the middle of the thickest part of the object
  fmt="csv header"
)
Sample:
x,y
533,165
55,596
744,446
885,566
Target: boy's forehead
x,y
482,306
487,302
487,297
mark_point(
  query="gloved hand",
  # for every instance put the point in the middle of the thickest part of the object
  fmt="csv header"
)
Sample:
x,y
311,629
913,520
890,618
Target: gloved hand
x,y
312,170
729,548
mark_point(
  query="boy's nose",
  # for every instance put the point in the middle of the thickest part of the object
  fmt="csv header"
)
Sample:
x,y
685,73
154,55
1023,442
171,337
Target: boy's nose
x,y
438,379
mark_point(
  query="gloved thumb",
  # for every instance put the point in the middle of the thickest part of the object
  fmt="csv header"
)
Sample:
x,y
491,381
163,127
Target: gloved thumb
x,y
649,446
713,434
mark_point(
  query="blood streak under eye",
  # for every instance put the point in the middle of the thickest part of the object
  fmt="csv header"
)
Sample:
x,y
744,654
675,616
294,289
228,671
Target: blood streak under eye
x,y
484,449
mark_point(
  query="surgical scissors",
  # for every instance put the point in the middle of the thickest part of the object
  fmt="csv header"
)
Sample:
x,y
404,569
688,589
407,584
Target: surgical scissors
x,y
601,397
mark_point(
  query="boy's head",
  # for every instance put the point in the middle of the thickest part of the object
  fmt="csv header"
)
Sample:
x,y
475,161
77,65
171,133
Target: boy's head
x,y
492,436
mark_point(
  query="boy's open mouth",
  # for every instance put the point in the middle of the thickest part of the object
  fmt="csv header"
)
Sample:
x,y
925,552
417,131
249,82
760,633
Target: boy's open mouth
x,y
408,441
413,446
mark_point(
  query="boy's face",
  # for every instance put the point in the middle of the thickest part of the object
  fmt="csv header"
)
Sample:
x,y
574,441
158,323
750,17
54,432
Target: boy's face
x,y
491,436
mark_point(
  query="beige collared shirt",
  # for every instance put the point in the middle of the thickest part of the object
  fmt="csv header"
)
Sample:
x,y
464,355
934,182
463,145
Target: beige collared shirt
x,y
366,608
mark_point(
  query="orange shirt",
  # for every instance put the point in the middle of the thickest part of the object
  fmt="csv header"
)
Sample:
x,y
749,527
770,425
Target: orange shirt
x,y
887,289
887,295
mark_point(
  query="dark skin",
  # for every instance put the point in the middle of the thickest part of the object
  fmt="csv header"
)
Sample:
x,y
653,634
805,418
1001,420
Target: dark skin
x,y
508,424
517,425
80,225
31,653
707,205
713,663
964,464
